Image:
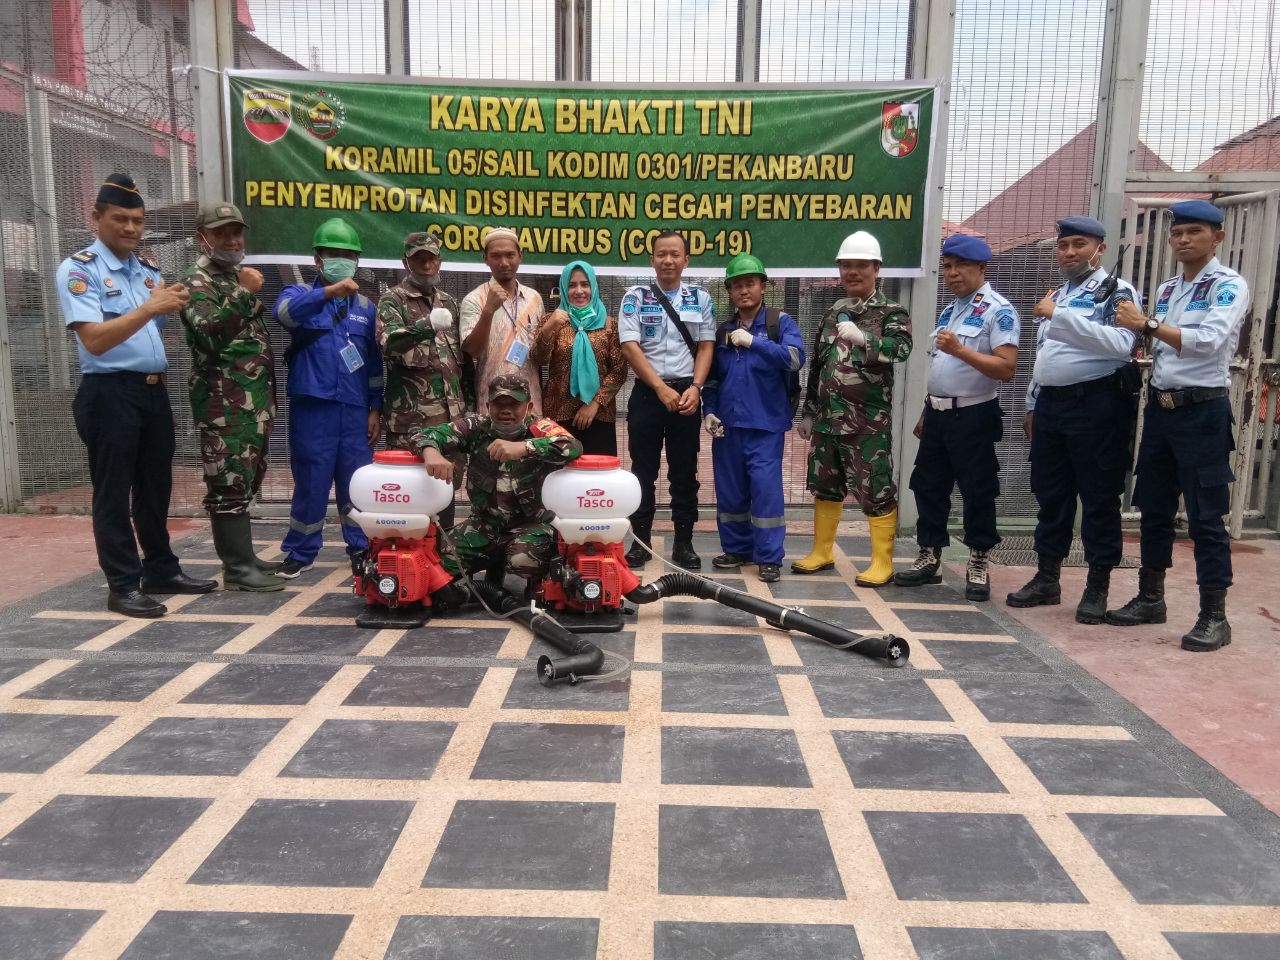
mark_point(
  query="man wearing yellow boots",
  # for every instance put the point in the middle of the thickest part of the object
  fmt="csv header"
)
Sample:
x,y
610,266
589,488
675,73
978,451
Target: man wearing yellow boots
x,y
847,417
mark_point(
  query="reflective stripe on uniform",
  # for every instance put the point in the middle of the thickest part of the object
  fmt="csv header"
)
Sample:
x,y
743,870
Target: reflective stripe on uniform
x,y
302,527
732,517
764,522
794,354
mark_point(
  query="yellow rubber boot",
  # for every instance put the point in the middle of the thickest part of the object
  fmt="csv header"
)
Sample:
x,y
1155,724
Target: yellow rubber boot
x,y
883,530
826,517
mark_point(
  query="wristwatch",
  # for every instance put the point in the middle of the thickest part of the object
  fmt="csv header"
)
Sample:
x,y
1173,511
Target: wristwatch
x,y
698,385
1151,324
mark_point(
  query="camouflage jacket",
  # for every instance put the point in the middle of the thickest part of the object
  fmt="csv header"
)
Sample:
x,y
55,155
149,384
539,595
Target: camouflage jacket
x,y
231,362
851,388
504,495
424,367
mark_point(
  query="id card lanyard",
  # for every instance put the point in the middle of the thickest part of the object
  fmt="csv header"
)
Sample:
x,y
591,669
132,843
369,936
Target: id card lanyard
x,y
350,354
517,351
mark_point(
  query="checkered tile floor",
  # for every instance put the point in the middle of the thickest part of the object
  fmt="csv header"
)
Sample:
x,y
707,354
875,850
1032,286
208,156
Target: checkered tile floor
x,y
255,777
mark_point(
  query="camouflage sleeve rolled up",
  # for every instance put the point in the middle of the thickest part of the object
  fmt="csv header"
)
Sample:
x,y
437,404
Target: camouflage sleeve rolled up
x,y
552,443
452,438
396,334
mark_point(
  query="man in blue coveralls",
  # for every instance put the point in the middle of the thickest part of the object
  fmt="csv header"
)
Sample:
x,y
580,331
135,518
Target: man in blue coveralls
x,y
1186,439
335,392
758,353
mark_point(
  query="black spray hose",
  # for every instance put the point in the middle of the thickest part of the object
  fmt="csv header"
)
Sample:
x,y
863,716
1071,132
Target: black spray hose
x,y
584,657
880,646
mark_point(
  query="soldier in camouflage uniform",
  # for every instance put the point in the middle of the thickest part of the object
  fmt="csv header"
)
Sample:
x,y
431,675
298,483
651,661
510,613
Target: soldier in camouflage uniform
x,y
418,333
511,452
846,411
231,388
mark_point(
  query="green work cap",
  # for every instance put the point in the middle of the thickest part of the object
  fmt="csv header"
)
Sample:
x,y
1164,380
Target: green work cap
x,y
217,214
336,234
744,265
509,385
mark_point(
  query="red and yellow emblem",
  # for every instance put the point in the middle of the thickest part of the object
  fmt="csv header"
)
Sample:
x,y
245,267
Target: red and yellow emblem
x,y
78,284
267,113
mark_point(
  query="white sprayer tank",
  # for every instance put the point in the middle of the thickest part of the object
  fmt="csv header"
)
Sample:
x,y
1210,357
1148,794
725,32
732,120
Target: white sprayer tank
x,y
593,499
395,496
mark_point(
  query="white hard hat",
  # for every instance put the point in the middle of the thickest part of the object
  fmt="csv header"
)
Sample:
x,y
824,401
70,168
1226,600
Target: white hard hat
x,y
860,246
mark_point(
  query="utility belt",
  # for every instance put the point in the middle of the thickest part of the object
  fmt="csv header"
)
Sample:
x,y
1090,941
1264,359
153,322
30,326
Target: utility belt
x,y
135,376
679,384
1172,399
1118,380
958,403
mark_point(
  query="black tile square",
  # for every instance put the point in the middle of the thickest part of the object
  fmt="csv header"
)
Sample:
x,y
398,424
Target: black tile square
x,y
1031,701
402,685
968,857
585,752
10,669
34,742
526,693
690,613
344,604
942,622
957,943
95,839
874,696
239,603
1098,768
687,691
1225,946
48,633
372,750
854,546
927,593
745,852
732,756
744,649
307,843
620,642
471,938
524,845
857,619
982,656
31,933
754,941
183,935
186,637
297,639
441,641
914,761
790,590
1193,860
263,683
734,581
192,747
106,680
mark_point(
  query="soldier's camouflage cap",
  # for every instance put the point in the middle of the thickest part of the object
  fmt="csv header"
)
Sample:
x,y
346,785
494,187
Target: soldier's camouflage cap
x,y
509,385
421,241
217,214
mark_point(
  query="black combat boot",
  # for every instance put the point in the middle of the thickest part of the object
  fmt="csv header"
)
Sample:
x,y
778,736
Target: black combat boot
x,y
1042,590
682,554
1092,607
923,570
638,556
1147,607
1211,630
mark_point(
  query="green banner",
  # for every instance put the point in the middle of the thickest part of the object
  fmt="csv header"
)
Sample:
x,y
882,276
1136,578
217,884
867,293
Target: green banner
x,y
589,172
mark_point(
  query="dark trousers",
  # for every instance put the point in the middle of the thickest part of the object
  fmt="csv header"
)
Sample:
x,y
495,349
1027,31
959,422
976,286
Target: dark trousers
x,y
1186,452
127,427
1080,447
958,447
600,438
650,425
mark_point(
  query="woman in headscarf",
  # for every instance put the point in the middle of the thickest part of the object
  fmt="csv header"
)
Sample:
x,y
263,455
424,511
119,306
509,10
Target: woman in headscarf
x,y
579,344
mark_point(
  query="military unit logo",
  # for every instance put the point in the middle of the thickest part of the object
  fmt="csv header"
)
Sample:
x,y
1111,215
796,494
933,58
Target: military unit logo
x,y
266,113
321,114
78,284
899,127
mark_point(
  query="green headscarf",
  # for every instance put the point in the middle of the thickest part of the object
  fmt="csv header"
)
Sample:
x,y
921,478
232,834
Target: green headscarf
x,y
584,374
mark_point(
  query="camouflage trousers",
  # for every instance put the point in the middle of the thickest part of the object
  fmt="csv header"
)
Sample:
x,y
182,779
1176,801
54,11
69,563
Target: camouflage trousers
x,y
528,548
863,461
235,460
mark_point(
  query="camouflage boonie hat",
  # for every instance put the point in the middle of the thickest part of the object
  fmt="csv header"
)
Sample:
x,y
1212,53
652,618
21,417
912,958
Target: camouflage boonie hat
x,y
217,214
509,385
421,241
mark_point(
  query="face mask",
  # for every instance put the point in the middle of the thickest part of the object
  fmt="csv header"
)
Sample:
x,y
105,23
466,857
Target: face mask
x,y
509,431
1078,270
422,281
226,258
334,269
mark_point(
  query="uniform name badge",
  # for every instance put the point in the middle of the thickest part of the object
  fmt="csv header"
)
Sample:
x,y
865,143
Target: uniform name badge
x,y
351,357
517,353
650,331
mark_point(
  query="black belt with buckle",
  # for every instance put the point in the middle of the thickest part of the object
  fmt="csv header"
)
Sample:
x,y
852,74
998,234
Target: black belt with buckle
x,y
1172,399
150,379
1078,391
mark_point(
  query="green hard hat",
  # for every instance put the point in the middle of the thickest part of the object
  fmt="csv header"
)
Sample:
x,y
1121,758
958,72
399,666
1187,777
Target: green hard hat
x,y
744,264
336,234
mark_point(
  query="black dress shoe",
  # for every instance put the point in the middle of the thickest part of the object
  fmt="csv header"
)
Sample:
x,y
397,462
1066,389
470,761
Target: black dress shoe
x,y
135,603
179,584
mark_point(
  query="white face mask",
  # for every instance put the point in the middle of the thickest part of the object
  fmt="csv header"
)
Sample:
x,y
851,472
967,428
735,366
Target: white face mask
x,y
1078,270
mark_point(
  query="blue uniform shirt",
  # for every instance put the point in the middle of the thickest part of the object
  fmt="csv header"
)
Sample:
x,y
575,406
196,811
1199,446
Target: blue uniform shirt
x,y
95,285
983,321
642,320
1209,310
1081,341
319,369
751,390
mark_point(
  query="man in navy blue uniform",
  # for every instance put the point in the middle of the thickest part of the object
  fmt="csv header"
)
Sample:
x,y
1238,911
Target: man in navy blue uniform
x,y
748,413
335,392
116,303
1186,438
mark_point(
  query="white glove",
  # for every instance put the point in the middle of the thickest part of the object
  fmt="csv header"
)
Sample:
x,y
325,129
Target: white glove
x,y
851,333
441,319
741,337
806,427
712,424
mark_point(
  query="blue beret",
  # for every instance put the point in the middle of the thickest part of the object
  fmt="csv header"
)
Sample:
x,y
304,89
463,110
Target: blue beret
x,y
1081,227
119,190
966,248
1197,211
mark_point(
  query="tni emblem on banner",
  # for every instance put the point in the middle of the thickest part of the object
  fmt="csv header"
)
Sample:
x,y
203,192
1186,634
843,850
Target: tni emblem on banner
x,y
900,128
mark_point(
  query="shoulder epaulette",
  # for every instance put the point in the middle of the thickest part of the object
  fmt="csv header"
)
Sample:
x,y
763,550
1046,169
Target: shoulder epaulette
x,y
85,256
148,262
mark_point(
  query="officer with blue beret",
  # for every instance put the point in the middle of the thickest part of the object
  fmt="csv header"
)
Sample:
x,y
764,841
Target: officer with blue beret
x,y
975,349
1186,438
116,303
1081,410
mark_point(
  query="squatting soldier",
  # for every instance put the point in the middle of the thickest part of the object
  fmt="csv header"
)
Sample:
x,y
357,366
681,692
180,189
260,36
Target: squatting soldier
x,y
847,411
231,388
418,335
511,452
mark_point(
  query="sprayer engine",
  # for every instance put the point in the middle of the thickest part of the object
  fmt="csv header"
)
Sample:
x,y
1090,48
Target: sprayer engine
x,y
397,572
588,577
